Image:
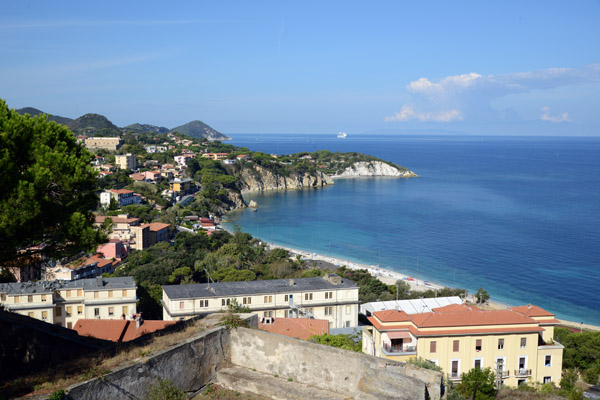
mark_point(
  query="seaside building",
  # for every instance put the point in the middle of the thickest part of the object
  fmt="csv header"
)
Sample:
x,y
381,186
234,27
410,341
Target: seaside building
x,y
107,143
517,343
330,298
123,197
63,303
414,306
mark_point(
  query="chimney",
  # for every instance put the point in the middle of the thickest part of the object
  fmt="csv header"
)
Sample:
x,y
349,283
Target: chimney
x,y
291,282
138,321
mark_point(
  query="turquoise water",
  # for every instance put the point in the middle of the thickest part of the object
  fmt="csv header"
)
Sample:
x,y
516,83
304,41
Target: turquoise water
x,y
517,216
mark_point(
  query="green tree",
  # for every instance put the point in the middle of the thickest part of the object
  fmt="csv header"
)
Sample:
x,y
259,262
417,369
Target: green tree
x,y
48,189
477,384
347,342
482,296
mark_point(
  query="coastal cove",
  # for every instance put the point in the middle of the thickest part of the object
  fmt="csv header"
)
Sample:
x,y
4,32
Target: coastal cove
x,y
516,216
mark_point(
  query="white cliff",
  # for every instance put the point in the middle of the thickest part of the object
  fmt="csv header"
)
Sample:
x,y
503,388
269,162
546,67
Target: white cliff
x,y
374,168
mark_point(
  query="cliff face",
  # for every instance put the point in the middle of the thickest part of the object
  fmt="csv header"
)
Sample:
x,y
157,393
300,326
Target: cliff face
x,y
259,179
374,168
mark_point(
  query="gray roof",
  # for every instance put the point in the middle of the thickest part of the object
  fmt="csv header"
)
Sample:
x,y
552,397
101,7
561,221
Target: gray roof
x,y
223,289
416,306
126,282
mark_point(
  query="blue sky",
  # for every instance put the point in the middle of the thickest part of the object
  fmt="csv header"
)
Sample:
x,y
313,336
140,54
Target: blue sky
x,y
508,68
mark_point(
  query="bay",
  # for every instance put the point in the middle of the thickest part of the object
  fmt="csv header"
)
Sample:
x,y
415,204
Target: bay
x,y
518,216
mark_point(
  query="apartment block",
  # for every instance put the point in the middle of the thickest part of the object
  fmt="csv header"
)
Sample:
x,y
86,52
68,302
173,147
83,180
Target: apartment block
x,y
330,298
123,197
63,303
107,143
516,343
126,161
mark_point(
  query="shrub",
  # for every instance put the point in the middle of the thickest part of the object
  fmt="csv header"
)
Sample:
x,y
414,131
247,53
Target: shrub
x,y
163,389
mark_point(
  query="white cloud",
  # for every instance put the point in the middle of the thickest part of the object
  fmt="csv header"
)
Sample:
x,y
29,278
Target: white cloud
x,y
408,113
468,96
562,117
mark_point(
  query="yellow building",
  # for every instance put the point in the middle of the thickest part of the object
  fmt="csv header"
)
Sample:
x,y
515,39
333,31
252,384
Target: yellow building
x,y
107,143
126,161
330,298
516,343
181,186
63,303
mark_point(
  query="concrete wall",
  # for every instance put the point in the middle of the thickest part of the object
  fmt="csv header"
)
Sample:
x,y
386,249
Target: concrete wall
x,y
188,366
356,375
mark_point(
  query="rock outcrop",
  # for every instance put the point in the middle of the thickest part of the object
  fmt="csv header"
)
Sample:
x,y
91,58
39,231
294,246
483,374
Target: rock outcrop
x,y
374,168
258,178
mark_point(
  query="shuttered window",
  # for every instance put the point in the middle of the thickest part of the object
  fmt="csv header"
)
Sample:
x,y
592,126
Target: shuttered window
x,y
432,346
455,346
478,345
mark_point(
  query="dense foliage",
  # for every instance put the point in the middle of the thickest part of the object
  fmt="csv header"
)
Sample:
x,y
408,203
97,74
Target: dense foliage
x,y
347,342
477,384
582,353
48,189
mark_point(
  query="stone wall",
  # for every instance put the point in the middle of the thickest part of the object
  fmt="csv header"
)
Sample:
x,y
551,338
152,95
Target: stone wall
x,y
357,375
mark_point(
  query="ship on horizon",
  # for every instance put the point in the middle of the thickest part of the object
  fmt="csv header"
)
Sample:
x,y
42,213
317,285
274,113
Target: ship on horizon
x,y
342,135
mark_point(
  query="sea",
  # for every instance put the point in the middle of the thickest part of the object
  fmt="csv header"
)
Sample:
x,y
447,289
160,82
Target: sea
x,y
517,216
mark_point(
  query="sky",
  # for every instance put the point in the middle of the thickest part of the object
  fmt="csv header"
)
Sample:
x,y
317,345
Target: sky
x,y
474,67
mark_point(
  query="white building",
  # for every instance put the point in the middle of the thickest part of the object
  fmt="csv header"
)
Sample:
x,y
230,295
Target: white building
x,y
63,303
123,197
331,298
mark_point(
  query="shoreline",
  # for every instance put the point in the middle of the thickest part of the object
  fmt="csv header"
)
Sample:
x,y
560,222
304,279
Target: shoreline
x,y
390,277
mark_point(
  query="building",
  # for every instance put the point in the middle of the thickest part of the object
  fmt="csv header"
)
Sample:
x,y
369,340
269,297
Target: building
x,y
414,306
114,249
215,156
83,268
119,330
123,197
63,303
300,328
126,161
331,298
107,143
155,149
518,341
229,162
183,159
181,186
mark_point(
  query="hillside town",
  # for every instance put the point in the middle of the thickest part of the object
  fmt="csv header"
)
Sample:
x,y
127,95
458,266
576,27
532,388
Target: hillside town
x,y
165,259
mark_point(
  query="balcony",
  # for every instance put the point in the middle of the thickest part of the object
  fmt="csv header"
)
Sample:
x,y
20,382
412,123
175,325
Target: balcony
x,y
521,372
391,350
455,376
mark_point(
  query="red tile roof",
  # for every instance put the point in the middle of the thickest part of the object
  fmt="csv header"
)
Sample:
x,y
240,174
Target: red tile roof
x,y
301,328
157,226
118,330
532,311
120,191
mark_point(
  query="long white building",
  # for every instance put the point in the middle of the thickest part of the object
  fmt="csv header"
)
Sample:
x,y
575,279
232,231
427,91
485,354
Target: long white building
x,y
331,298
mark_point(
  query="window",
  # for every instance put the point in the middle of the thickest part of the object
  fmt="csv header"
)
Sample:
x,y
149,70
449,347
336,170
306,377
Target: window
x,y
222,302
328,310
268,313
308,296
68,293
95,295
30,299
523,342
455,346
17,299
522,363
520,382
347,324
70,325
478,345
454,372
125,310
329,295
58,311
286,298
110,294
432,346
228,301
3,296
500,344
547,379
500,364
477,363
79,310
548,362
44,315
69,308
111,311
348,309
181,305
247,300
268,299
79,292
96,312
